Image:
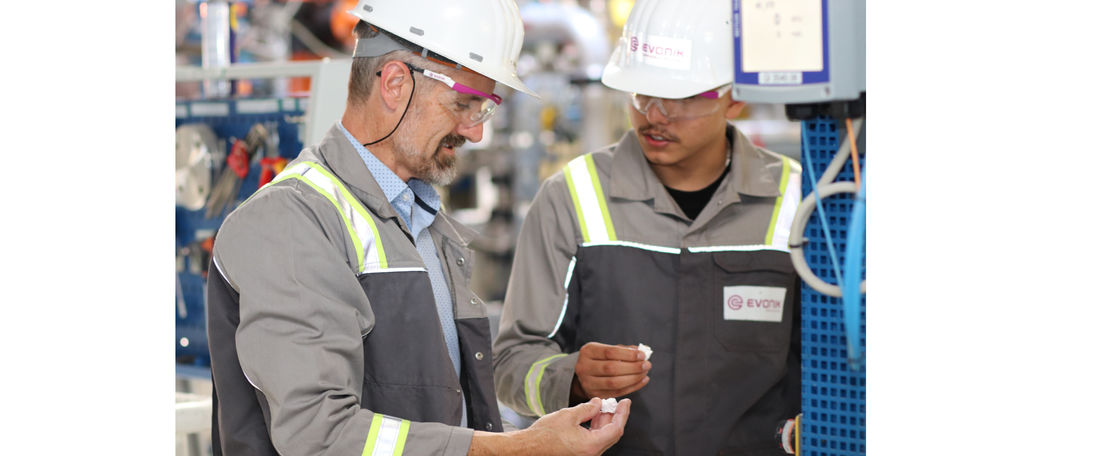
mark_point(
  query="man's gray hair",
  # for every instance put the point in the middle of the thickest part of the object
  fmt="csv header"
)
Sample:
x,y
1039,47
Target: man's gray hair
x,y
364,69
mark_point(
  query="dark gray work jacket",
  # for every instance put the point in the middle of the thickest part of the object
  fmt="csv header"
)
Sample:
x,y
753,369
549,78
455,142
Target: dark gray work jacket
x,y
605,255
324,336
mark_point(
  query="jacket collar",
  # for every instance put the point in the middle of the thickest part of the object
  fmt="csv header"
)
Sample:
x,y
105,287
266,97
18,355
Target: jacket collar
x,y
629,163
340,156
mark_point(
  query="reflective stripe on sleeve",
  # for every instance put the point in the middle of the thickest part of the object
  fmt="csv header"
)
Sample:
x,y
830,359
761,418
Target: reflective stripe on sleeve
x,y
588,200
786,205
533,384
387,436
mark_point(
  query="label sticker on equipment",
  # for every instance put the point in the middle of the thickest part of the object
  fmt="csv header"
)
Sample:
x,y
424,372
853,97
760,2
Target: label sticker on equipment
x,y
752,303
663,51
779,77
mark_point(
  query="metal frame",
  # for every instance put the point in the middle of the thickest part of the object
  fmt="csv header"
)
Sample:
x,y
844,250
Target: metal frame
x,y
328,89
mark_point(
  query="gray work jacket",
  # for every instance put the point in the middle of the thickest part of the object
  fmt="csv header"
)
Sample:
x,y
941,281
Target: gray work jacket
x,y
606,255
324,337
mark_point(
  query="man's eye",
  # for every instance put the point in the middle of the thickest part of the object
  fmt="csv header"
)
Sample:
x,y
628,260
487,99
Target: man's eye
x,y
463,106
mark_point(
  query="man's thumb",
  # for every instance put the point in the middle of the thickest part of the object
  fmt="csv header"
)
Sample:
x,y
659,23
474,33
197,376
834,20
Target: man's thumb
x,y
586,411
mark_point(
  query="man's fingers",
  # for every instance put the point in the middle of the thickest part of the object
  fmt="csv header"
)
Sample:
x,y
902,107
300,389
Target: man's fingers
x,y
622,412
620,391
595,384
622,353
613,428
601,420
596,350
612,368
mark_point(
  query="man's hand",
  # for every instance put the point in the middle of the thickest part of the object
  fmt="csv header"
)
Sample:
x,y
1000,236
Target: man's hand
x,y
559,433
608,371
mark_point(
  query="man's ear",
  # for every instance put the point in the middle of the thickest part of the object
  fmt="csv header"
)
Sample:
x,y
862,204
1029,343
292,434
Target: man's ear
x,y
392,79
734,109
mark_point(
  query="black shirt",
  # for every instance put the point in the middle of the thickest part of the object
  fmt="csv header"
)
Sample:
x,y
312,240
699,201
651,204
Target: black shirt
x,y
693,202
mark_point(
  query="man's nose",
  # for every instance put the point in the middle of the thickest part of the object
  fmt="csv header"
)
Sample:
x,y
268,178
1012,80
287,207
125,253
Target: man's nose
x,y
472,133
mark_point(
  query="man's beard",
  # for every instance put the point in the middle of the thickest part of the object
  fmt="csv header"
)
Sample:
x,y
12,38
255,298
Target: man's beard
x,y
432,168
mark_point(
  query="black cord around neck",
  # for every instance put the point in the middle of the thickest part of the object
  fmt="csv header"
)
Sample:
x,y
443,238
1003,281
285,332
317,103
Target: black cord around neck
x,y
411,75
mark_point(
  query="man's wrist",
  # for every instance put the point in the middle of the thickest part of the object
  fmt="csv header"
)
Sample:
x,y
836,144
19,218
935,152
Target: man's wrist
x,y
576,392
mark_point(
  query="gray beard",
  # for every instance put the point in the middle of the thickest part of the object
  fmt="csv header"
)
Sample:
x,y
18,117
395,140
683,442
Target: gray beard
x,y
430,168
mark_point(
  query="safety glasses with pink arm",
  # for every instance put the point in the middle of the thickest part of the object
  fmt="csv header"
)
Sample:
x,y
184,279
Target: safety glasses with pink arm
x,y
473,112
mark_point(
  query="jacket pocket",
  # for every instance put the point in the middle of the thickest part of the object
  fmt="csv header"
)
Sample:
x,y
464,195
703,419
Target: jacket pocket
x,y
753,301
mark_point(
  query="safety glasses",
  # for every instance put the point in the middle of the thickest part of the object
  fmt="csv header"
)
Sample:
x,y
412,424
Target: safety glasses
x,y
699,105
472,112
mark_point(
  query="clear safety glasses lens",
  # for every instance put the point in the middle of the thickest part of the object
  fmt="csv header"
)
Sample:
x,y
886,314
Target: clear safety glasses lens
x,y
683,108
472,112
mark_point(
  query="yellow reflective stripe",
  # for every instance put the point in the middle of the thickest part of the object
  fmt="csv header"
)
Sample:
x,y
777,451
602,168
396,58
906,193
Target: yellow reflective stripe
x,y
346,220
599,195
372,436
778,201
368,246
387,436
357,207
533,384
576,204
786,204
401,437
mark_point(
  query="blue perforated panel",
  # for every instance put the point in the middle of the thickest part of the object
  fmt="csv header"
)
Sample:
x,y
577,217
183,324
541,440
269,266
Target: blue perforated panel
x,y
193,226
833,396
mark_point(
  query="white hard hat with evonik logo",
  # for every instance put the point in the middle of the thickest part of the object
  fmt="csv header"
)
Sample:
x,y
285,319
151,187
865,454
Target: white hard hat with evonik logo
x,y
482,35
673,49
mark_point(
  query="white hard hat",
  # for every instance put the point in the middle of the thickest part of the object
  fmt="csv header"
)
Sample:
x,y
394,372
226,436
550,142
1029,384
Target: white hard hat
x,y
673,49
483,35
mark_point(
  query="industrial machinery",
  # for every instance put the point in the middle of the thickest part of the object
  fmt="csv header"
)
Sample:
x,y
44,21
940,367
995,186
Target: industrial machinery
x,y
811,57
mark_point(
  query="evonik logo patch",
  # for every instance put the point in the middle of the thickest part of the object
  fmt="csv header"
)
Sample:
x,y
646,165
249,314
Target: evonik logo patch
x,y
753,303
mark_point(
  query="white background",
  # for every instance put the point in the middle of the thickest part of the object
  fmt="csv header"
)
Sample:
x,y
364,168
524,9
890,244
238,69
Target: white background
x,y
981,257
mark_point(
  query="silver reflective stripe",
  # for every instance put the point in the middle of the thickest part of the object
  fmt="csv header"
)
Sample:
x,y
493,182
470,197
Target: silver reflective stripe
x,y
533,384
370,261
635,245
398,270
588,202
736,248
388,436
568,279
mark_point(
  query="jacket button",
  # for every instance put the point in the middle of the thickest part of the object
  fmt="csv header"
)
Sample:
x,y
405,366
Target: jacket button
x,y
461,261
458,390
473,301
488,427
479,356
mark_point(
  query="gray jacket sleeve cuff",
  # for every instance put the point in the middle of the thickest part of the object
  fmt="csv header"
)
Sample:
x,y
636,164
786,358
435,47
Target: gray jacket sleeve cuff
x,y
557,382
438,438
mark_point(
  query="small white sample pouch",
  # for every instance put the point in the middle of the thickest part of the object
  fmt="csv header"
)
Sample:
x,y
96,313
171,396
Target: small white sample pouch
x,y
609,405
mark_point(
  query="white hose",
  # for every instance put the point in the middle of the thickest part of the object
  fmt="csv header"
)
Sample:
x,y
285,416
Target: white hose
x,y
826,188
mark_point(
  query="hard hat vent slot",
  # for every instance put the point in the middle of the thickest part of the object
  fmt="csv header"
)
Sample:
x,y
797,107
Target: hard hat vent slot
x,y
368,8
476,57
416,31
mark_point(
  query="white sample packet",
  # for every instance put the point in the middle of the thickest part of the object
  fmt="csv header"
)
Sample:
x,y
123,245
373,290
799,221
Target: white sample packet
x,y
609,405
648,351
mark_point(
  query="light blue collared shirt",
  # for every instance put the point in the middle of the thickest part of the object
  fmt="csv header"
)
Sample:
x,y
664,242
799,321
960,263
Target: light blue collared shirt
x,y
417,202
